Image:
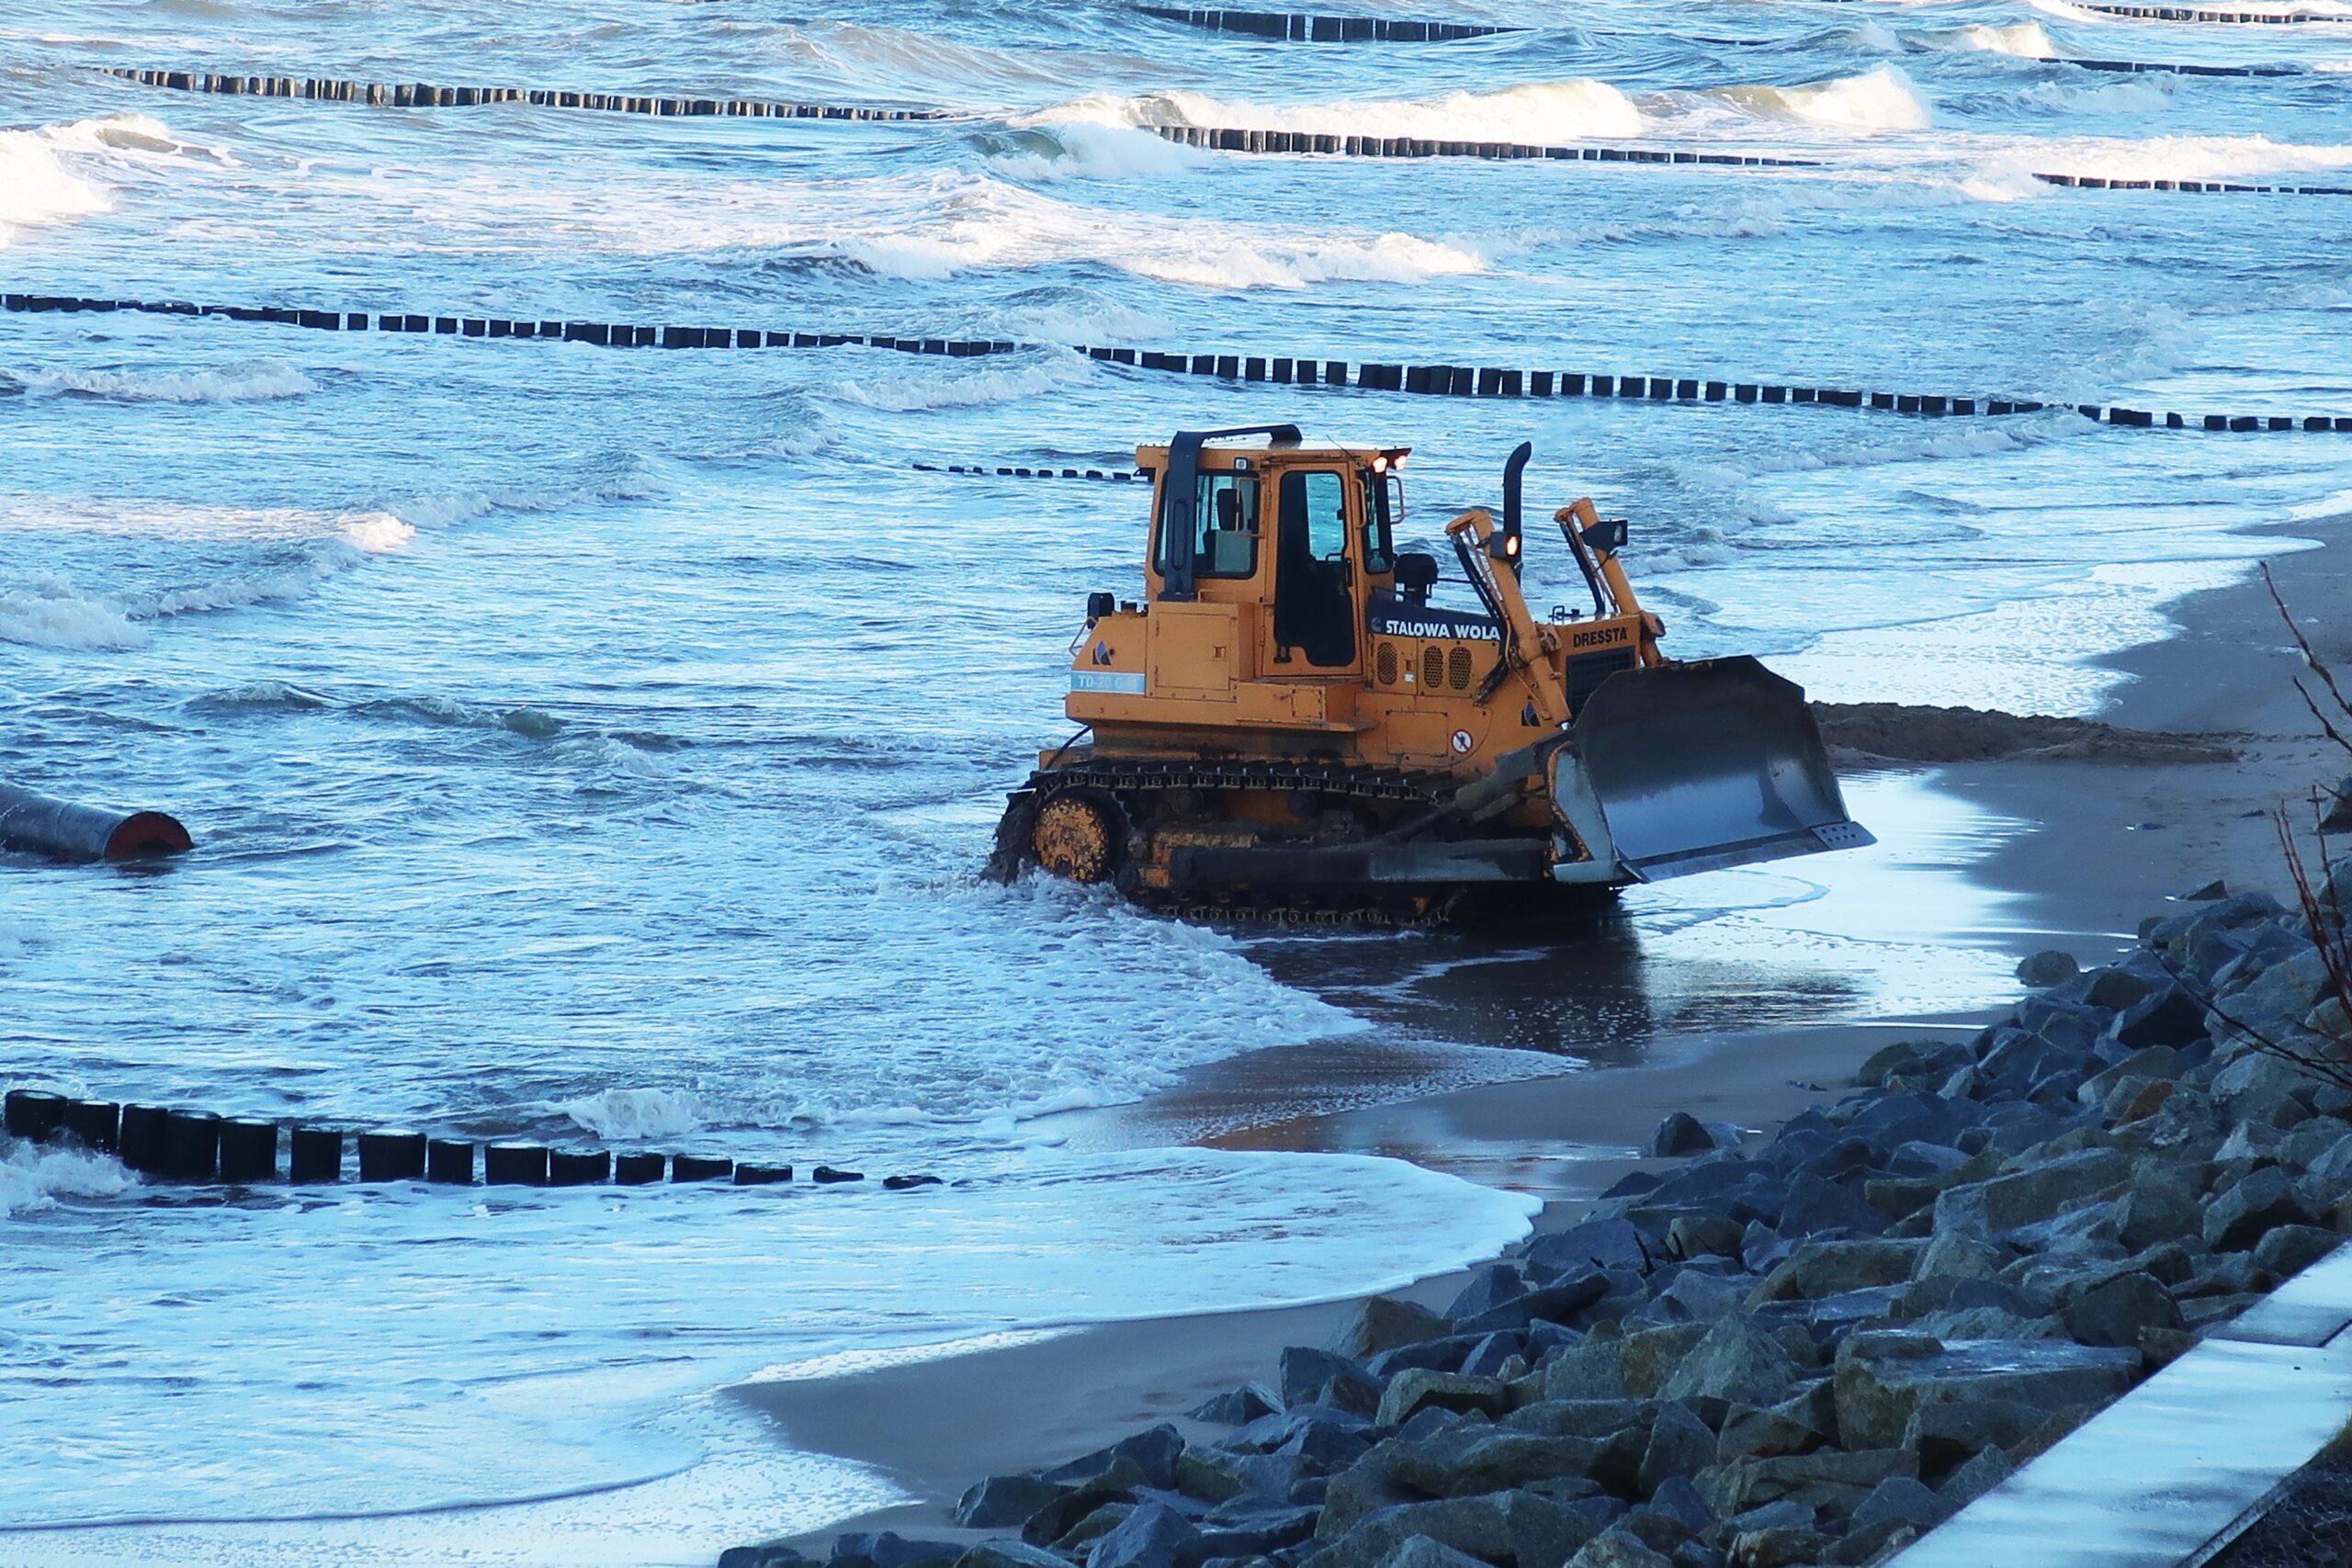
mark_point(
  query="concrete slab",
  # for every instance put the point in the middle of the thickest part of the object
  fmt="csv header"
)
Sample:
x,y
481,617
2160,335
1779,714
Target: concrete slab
x,y
2162,1472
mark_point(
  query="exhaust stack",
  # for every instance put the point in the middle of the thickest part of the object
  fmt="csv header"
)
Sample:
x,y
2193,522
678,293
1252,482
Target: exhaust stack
x,y
1505,545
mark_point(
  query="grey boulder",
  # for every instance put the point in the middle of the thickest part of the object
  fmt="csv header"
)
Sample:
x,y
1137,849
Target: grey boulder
x,y
1418,1387
2051,966
1010,1554
2290,1249
888,1549
1508,1530
1680,1134
1153,1536
1737,1361
1308,1375
1882,1380
1384,1323
2237,1219
1619,1547
2115,1313
1680,1445
1420,1552
1004,1501
1153,1453
1595,1244
1831,1268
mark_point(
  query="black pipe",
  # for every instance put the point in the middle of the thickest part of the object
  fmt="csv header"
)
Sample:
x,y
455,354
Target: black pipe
x,y
65,832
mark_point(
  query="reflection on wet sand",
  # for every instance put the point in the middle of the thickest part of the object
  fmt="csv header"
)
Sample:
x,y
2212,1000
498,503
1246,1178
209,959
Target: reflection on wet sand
x,y
1728,987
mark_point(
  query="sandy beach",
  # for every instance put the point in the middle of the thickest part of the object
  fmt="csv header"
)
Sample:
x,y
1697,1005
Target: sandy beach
x,y
2107,843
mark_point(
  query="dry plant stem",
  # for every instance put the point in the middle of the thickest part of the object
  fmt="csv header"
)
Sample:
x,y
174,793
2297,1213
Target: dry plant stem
x,y
2325,1068
2328,924
2331,931
2330,934
2318,667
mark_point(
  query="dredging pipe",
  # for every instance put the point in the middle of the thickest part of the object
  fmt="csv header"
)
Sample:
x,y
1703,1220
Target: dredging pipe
x,y
66,831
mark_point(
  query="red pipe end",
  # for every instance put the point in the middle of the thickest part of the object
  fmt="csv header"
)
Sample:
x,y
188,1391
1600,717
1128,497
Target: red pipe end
x,y
144,833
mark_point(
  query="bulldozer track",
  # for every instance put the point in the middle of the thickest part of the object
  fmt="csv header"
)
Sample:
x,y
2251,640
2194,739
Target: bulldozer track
x,y
1364,783
1118,778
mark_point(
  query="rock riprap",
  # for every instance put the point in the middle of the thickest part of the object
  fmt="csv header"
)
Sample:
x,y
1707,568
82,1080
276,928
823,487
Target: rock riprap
x,y
1806,1352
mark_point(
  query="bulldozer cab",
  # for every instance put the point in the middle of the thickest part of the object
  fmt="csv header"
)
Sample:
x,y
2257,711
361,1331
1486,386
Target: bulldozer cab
x,y
1305,535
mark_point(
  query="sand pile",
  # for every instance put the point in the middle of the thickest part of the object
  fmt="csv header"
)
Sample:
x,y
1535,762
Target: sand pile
x,y
1898,732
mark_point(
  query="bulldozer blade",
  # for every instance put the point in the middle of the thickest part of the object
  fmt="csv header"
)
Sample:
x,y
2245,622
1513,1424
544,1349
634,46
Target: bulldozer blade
x,y
1695,767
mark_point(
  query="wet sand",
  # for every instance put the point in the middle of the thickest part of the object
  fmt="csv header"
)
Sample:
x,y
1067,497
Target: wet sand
x,y
2107,843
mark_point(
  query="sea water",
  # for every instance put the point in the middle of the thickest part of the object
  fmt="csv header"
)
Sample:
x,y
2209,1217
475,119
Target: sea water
x,y
594,745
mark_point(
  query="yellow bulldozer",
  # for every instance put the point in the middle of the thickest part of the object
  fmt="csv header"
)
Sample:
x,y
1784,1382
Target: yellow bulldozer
x,y
1287,725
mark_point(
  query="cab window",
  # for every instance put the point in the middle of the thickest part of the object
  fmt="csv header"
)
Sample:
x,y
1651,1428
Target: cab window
x,y
1224,527
1327,515
1379,544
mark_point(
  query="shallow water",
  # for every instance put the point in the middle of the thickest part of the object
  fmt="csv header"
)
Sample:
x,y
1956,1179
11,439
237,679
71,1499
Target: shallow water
x,y
597,743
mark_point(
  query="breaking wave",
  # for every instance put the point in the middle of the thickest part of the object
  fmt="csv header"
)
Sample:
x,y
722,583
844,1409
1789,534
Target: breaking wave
x,y
1085,151
37,188
1061,314
52,610
532,723
59,172
630,478
968,224
49,611
2024,39
371,532
934,387
35,1178
258,694
1881,98
888,60
1572,110
246,381
2190,158
625,1115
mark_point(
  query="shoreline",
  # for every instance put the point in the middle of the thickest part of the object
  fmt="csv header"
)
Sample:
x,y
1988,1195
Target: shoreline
x,y
2105,844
